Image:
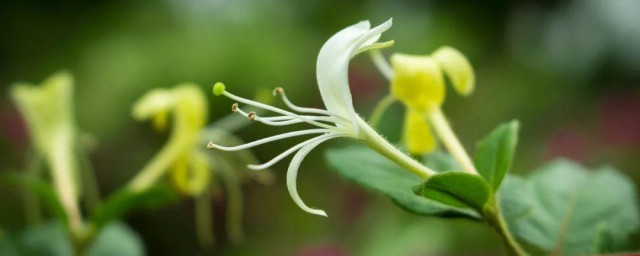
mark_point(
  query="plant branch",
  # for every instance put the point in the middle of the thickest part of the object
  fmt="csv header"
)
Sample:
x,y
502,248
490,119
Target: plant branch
x,y
495,219
376,142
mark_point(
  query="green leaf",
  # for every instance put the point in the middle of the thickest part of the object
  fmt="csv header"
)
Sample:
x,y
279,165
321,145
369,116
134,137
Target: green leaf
x,y
42,189
577,212
606,241
51,238
8,245
515,202
440,161
116,239
457,189
495,152
371,170
124,200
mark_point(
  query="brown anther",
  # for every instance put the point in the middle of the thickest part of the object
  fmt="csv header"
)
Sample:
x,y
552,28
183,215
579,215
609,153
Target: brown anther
x,y
211,145
251,115
234,107
278,90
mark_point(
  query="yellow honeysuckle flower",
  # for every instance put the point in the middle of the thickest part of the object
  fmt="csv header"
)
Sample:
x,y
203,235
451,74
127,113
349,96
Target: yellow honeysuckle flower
x,y
418,82
187,106
457,68
191,174
185,160
417,133
48,111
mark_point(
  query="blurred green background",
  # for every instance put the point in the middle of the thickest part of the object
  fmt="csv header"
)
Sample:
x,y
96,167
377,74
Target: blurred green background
x,y
568,70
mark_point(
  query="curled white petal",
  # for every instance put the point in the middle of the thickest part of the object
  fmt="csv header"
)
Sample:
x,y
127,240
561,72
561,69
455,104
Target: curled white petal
x,y
292,174
332,66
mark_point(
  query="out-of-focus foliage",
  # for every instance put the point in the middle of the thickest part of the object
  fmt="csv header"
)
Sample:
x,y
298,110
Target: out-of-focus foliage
x,y
576,211
50,239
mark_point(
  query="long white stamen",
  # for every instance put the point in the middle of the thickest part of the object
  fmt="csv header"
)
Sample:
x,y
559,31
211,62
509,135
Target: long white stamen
x,y
292,174
281,123
329,119
255,117
287,120
211,145
268,121
290,104
293,149
271,108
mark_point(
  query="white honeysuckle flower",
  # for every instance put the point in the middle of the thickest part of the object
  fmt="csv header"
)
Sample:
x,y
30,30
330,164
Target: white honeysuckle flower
x,y
339,119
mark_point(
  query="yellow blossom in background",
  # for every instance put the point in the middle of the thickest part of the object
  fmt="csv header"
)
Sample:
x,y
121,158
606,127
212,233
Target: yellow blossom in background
x,y
419,83
186,105
48,111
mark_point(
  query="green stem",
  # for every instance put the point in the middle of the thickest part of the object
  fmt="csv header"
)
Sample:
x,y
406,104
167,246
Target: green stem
x,y
88,177
233,189
203,219
451,142
31,202
382,146
496,220
380,108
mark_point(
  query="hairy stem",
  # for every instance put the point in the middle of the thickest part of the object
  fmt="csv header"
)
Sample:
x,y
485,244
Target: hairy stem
x,y
382,146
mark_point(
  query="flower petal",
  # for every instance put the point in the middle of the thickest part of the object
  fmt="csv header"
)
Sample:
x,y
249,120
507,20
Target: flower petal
x,y
292,175
417,134
457,67
332,67
417,81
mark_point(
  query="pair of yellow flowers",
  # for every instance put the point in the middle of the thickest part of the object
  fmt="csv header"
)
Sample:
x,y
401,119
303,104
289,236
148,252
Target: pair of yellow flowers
x,y
419,83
